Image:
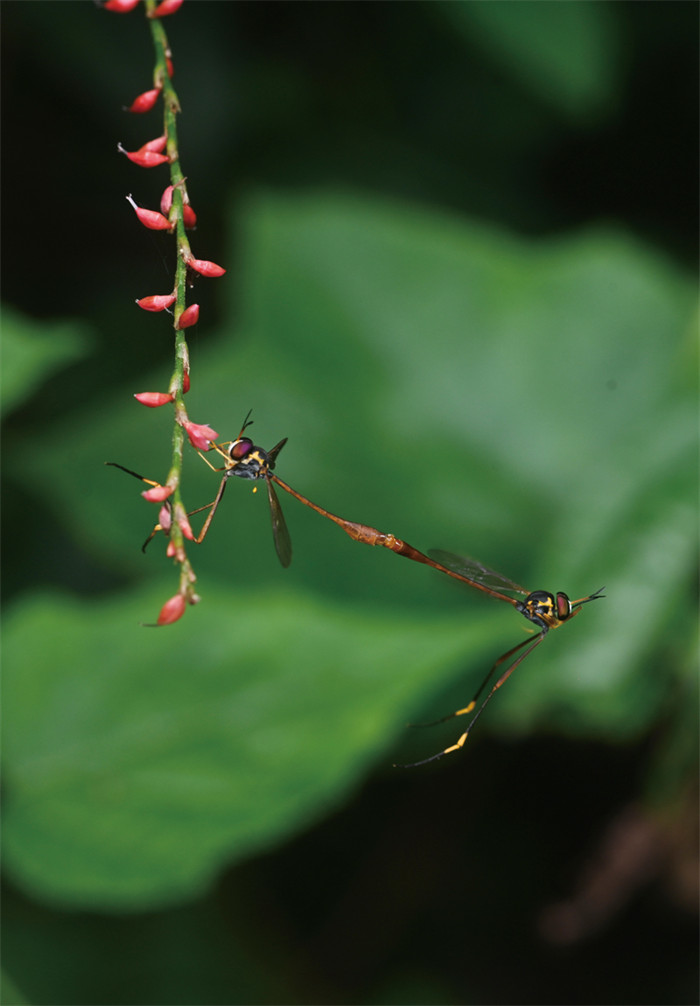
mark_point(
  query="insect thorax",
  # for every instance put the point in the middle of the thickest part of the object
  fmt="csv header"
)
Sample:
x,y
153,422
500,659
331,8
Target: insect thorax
x,y
544,609
253,464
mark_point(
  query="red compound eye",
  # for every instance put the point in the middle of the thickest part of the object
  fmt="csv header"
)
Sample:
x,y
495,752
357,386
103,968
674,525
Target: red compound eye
x,y
241,447
563,606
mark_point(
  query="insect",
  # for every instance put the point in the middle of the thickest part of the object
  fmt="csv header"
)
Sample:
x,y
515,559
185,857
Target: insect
x,y
546,611
245,460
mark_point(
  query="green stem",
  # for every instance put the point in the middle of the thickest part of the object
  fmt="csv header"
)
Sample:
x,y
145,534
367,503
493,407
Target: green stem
x,y
171,108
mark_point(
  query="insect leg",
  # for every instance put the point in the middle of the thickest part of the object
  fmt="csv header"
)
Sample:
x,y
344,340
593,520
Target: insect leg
x,y
136,475
216,447
212,510
531,644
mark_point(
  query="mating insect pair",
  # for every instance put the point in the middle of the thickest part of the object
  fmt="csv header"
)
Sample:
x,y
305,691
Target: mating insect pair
x,y
243,459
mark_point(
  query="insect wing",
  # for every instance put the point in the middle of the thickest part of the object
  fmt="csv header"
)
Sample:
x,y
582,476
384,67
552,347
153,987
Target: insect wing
x,y
473,570
272,454
280,533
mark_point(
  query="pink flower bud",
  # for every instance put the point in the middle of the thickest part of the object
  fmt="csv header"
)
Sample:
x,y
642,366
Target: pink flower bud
x,y
151,218
172,610
165,518
181,518
157,301
166,200
205,268
171,550
188,214
153,399
158,494
144,102
120,6
166,7
200,435
189,317
185,527
143,157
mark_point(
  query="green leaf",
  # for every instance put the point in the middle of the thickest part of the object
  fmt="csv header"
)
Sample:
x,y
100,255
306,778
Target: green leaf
x,y
140,760
9,993
32,351
524,402
566,53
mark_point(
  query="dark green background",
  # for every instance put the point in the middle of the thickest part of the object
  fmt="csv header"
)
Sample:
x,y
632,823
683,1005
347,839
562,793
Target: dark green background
x,y
460,243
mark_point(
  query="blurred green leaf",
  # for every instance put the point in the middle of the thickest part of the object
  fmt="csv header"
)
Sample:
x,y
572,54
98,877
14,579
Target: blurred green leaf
x,y
32,351
138,760
567,53
524,402
10,994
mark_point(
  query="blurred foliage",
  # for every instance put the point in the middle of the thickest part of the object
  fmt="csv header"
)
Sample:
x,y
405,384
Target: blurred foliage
x,y
528,398
116,731
532,42
31,352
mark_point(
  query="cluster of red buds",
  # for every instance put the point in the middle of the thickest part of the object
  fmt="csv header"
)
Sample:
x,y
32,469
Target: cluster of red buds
x,y
125,6
174,216
201,437
165,221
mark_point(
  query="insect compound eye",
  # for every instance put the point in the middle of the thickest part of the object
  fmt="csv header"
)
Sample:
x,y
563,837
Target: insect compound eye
x,y
241,447
563,606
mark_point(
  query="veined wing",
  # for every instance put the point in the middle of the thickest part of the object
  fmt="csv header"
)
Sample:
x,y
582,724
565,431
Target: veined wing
x,y
283,544
473,570
272,454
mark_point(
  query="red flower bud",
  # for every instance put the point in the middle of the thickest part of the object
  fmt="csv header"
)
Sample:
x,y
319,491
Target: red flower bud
x,y
166,7
144,102
200,435
190,316
143,157
169,66
157,301
120,6
205,268
185,382
158,494
153,399
150,218
188,214
172,610
157,145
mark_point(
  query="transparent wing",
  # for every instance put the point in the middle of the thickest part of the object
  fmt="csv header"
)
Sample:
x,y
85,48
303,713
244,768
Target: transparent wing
x,y
474,571
280,533
272,455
